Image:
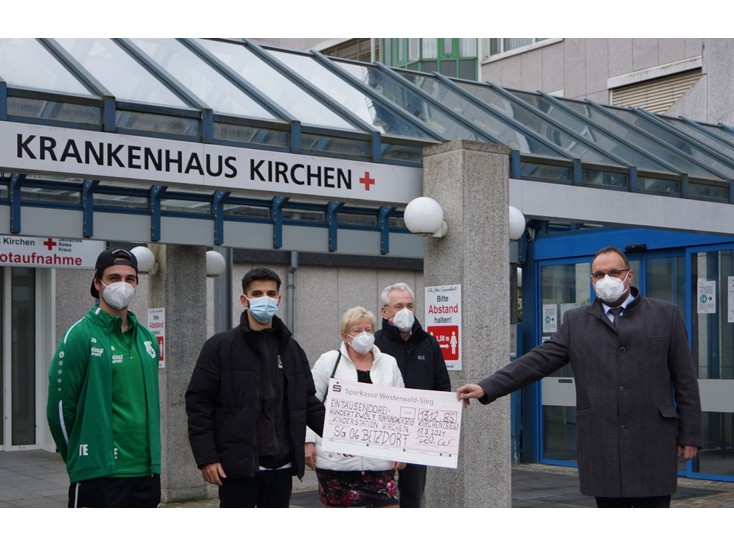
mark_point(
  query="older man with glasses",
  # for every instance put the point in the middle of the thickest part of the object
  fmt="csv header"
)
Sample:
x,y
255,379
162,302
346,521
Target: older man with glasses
x,y
421,363
637,400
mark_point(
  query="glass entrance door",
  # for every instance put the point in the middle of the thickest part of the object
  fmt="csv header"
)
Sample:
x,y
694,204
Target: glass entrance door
x,y
18,375
562,287
713,348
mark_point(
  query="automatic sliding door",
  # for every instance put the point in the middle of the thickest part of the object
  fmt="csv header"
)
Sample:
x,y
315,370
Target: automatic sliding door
x,y
713,349
562,287
23,353
665,279
18,357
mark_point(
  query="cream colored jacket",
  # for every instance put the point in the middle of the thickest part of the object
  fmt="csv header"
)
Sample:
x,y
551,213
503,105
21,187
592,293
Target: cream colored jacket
x,y
384,372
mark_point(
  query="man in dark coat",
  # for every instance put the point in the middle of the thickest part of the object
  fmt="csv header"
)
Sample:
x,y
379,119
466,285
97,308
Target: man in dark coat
x,y
249,400
637,398
421,363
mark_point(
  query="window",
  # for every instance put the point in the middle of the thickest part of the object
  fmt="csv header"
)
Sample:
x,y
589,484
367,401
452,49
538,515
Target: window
x,y
452,57
496,46
423,48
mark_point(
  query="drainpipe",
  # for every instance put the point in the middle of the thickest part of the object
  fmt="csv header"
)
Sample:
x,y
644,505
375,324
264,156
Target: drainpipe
x,y
291,292
223,293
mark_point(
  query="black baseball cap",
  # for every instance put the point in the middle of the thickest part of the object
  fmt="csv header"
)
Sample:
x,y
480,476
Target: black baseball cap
x,y
110,257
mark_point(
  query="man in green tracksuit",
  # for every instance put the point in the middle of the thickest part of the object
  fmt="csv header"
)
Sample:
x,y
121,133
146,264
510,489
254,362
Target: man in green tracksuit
x,y
103,403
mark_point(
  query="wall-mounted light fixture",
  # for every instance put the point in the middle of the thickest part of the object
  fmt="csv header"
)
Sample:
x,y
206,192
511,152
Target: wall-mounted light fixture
x,y
146,260
517,223
215,263
424,216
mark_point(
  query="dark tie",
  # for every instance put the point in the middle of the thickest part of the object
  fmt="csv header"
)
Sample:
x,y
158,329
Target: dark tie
x,y
615,311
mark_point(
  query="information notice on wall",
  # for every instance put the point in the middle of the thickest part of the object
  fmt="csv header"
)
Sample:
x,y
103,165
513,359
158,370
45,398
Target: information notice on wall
x,y
706,297
443,321
405,425
157,325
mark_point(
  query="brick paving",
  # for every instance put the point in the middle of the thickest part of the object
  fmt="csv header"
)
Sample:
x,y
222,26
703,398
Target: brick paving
x,y
37,479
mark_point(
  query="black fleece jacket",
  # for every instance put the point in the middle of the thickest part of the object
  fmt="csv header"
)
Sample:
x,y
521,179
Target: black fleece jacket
x,y
419,357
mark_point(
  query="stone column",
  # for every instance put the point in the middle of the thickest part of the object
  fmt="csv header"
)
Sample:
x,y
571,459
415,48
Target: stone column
x,y
180,287
470,181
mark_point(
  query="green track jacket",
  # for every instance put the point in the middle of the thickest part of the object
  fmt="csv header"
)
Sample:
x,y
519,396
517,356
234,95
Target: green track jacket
x,y
79,408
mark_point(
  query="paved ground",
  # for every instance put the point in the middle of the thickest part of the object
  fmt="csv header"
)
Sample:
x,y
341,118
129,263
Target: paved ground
x,y
37,479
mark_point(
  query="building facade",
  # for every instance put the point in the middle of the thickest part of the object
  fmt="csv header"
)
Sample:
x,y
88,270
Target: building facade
x,y
583,172
684,78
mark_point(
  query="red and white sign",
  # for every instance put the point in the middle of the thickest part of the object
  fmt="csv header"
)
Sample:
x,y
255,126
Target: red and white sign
x,y
157,325
443,321
21,251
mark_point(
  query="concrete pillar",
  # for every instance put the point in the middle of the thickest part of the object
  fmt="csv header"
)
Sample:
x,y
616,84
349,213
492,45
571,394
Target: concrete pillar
x,y
180,287
470,181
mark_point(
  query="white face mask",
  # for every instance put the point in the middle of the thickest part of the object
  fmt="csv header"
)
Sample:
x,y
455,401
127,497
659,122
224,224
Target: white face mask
x,y
610,289
118,295
363,342
403,320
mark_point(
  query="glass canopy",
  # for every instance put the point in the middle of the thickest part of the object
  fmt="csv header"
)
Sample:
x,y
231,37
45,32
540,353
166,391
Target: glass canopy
x,y
273,85
368,109
201,79
244,94
26,63
118,72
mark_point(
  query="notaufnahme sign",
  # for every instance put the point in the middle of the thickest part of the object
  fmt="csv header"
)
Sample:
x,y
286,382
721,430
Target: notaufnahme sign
x,y
20,251
99,155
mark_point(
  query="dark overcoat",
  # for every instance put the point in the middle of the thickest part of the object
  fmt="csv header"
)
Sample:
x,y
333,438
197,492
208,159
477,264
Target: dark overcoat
x,y
637,394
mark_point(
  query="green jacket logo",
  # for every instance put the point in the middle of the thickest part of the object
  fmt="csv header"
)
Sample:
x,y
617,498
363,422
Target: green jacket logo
x,y
150,349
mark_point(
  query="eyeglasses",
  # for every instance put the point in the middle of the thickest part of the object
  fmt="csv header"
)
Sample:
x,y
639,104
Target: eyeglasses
x,y
398,307
618,273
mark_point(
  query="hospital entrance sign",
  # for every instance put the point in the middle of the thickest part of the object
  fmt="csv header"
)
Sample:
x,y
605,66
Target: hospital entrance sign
x,y
109,156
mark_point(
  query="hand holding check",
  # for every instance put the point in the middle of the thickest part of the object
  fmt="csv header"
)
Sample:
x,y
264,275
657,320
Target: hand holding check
x,y
469,391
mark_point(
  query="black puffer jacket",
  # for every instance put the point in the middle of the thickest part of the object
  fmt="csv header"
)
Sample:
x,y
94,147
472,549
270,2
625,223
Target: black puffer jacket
x,y
419,357
222,400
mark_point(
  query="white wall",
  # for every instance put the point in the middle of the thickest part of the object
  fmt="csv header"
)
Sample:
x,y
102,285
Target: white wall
x,y
581,67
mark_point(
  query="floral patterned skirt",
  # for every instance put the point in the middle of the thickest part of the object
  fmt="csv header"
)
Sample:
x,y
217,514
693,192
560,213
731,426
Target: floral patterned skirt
x,y
366,489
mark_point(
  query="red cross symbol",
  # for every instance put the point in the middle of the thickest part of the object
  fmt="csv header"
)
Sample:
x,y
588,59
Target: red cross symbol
x,y
50,243
366,180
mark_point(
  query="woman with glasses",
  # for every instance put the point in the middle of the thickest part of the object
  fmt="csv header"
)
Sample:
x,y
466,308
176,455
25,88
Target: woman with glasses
x,y
348,480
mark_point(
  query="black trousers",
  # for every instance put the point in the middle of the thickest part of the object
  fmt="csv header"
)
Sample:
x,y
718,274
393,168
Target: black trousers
x,y
411,485
267,489
662,501
116,492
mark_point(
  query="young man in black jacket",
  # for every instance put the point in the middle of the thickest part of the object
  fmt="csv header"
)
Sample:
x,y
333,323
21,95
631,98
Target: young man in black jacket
x,y
249,400
421,363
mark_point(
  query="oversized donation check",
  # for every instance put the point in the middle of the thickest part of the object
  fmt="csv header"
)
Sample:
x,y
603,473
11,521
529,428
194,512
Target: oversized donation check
x,y
413,426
